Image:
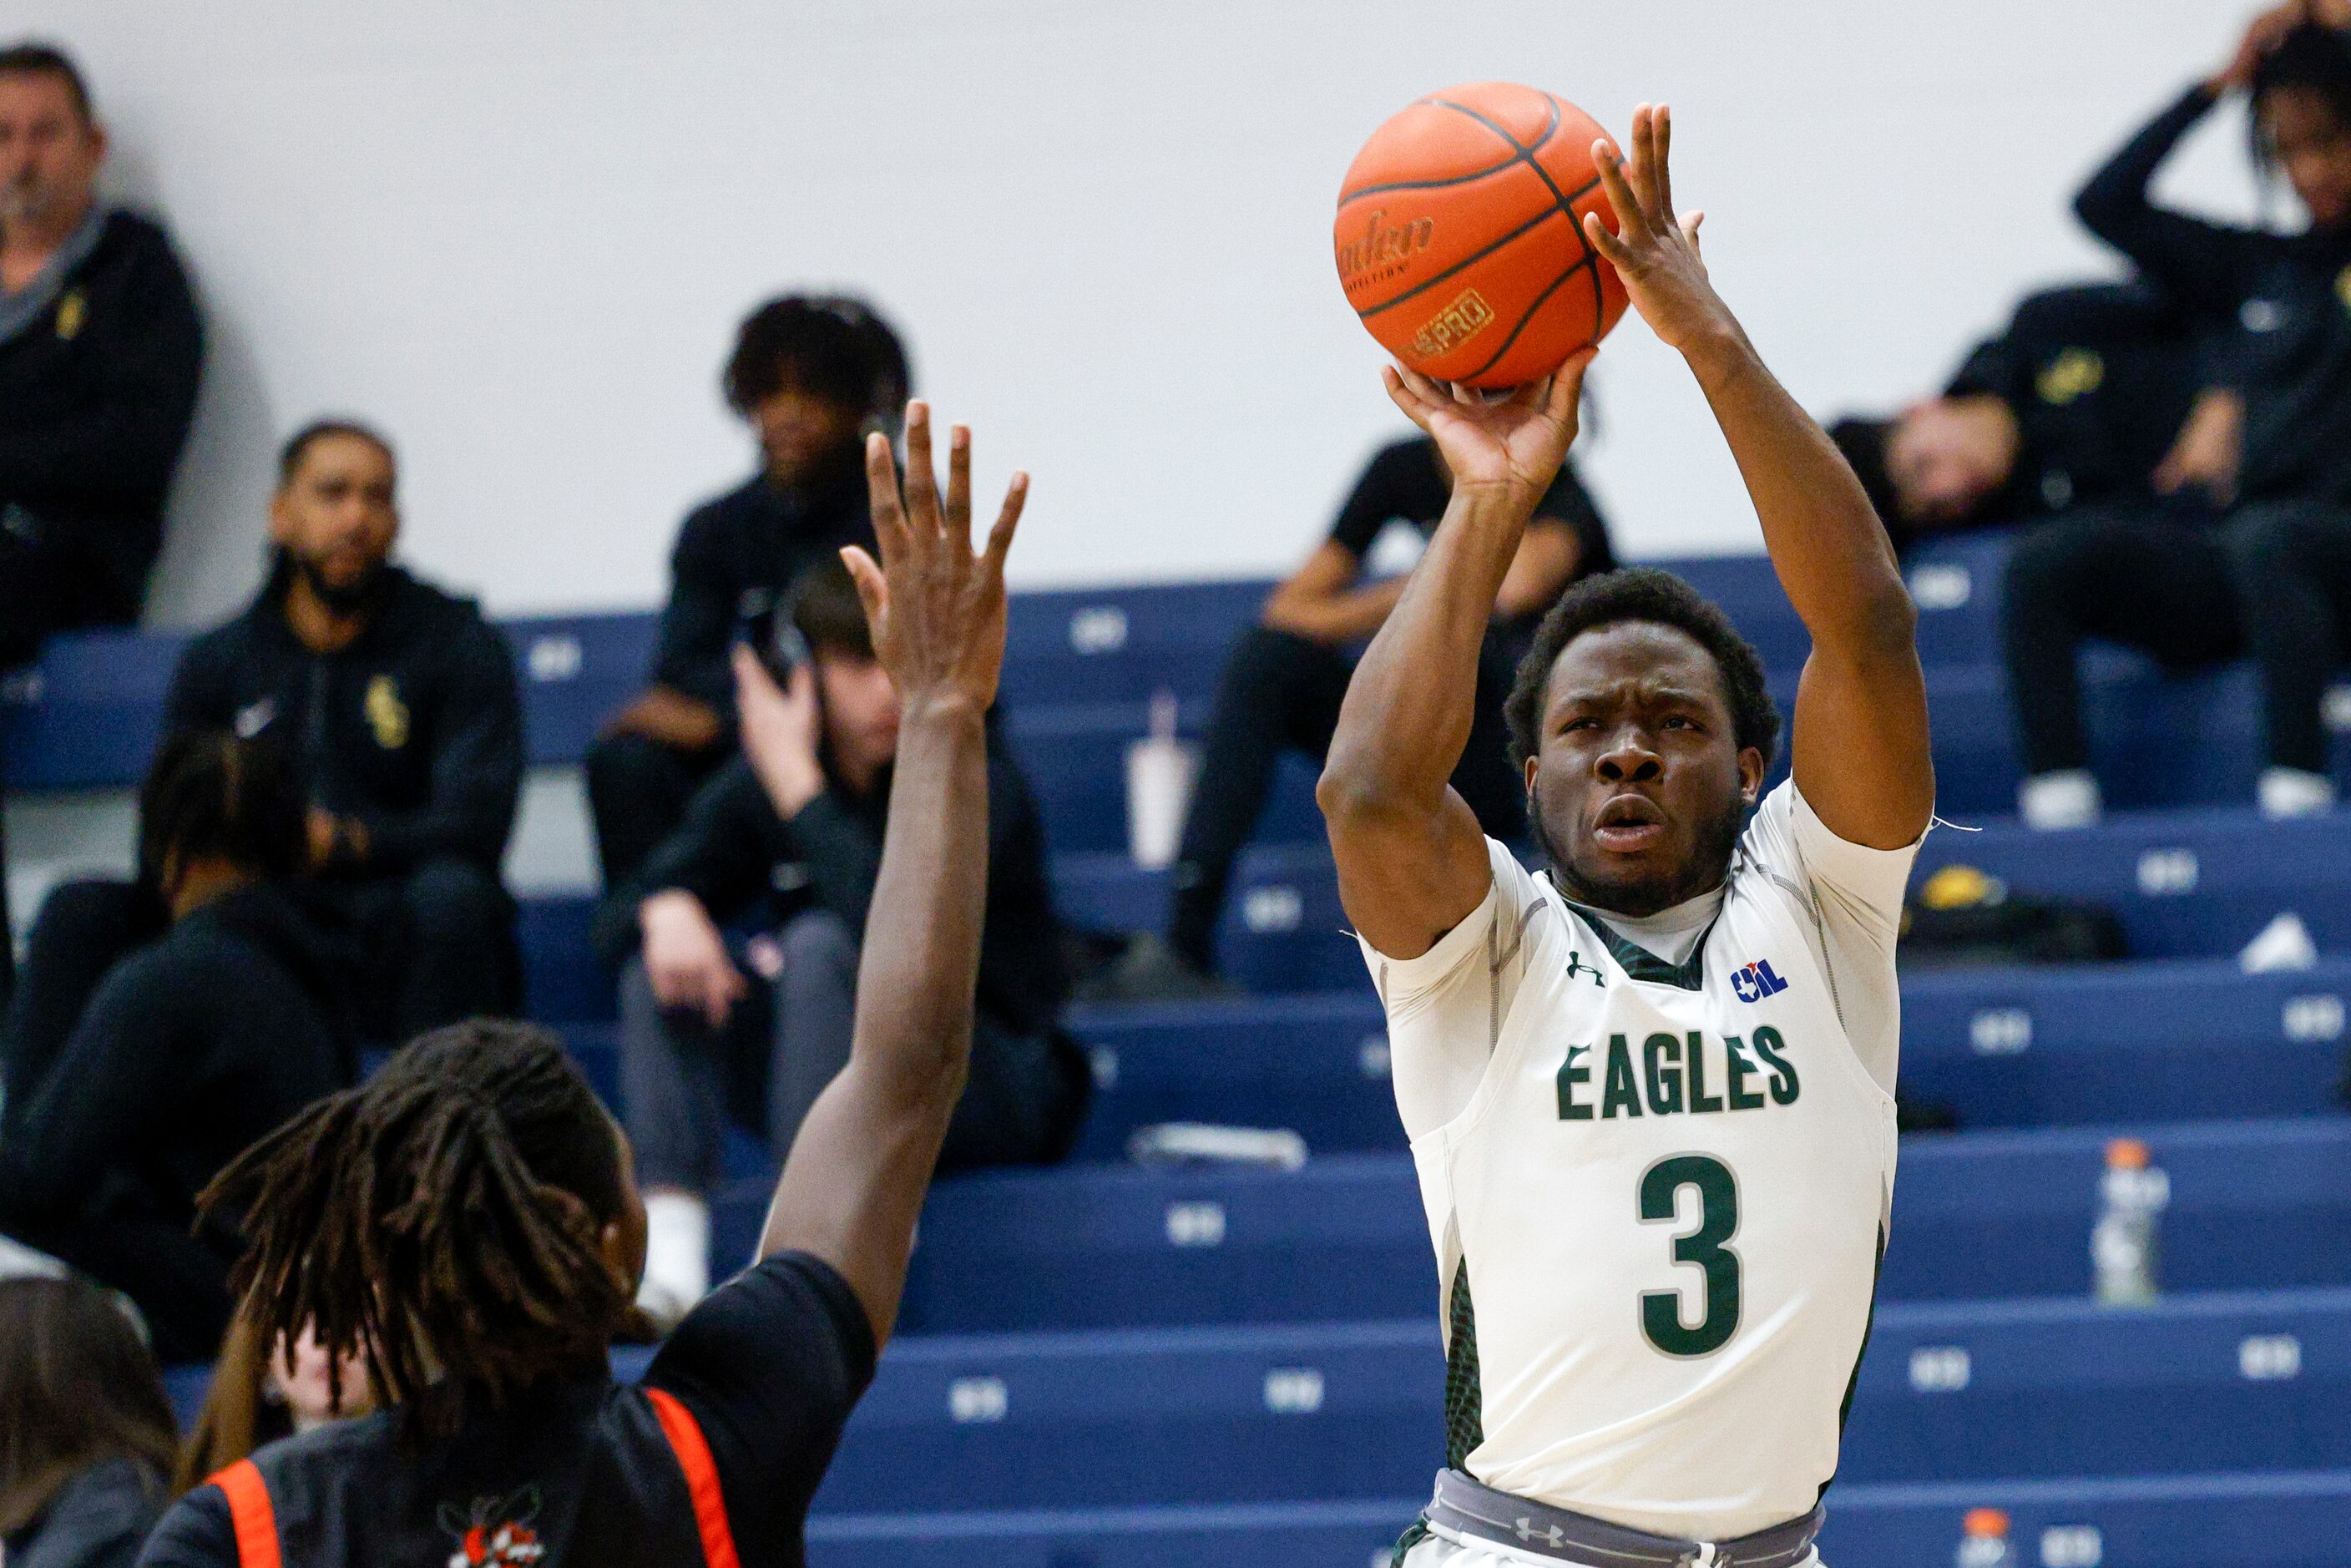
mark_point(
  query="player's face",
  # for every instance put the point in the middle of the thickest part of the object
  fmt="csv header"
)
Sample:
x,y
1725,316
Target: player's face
x,y
335,512
1640,784
48,153
2312,146
800,432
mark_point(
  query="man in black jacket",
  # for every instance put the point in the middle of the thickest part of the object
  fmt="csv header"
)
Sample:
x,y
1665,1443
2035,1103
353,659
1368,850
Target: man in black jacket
x,y
161,1027
398,703
810,375
797,820
99,352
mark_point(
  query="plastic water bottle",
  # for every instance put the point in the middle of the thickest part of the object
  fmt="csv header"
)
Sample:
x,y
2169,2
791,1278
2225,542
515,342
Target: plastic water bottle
x,y
2123,1244
1160,771
1983,1541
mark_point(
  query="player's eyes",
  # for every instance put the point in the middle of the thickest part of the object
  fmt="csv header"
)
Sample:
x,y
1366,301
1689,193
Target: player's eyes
x,y
1680,721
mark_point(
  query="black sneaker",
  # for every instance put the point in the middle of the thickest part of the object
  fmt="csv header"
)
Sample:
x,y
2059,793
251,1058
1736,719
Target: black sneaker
x,y
1151,971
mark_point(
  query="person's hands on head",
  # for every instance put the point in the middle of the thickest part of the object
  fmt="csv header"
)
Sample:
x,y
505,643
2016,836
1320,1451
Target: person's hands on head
x,y
2206,454
2264,33
686,958
937,609
1654,251
780,727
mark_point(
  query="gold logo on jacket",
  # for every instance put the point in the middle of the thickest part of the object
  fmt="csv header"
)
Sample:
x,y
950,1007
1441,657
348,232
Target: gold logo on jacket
x,y
73,310
2074,372
386,713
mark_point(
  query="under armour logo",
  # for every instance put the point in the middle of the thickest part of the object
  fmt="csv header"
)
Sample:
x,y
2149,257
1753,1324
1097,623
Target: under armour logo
x,y
1576,966
1551,1536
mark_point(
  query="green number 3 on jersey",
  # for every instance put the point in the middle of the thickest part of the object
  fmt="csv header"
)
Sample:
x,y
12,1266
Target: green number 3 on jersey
x,y
1707,1246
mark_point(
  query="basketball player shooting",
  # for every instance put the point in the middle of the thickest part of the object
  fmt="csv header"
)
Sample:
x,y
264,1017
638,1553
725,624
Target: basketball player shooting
x,y
1648,1092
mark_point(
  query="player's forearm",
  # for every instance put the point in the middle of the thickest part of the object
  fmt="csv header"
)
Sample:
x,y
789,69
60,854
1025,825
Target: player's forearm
x,y
1832,555
1407,711
920,960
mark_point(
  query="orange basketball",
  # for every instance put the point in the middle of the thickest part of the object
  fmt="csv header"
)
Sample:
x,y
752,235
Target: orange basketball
x,y
1460,235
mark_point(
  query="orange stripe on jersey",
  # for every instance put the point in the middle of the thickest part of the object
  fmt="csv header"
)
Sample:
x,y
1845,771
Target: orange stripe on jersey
x,y
685,1440
250,1514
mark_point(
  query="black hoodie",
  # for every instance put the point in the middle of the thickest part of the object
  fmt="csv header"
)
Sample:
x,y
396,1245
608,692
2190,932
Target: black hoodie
x,y
415,728
192,1046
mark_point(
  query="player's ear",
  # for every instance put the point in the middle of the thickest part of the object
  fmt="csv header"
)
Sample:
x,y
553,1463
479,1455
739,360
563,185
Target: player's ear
x,y
1750,775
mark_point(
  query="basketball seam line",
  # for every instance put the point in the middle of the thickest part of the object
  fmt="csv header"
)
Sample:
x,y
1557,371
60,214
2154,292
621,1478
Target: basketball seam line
x,y
1566,203
1424,286
1518,154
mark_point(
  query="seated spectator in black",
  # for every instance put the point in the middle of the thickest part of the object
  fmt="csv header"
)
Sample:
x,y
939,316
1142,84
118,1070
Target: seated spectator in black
x,y
86,1437
2076,403
1284,678
99,353
2252,546
125,1093
809,798
398,703
810,375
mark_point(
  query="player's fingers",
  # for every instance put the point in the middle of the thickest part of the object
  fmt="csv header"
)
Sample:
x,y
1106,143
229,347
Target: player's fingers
x,y
922,486
1566,391
1400,394
882,497
1616,251
872,587
1664,176
1689,227
1467,395
1641,162
1632,223
958,516
1008,521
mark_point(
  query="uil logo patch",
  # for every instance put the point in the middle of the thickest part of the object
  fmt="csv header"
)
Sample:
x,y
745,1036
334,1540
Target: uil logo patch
x,y
494,1531
386,713
2074,372
73,310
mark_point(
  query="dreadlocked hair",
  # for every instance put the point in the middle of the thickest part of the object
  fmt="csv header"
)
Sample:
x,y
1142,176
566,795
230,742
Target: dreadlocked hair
x,y
442,1220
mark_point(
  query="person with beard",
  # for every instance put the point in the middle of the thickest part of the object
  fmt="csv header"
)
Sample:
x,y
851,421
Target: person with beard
x,y
126,1086
810,375
1649,1090
398,705
101,350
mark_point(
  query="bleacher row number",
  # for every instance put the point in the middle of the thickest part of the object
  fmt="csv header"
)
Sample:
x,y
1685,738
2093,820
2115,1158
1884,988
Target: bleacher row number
x,y
1098,629
1293,1391
1940,1368
2269,1358
2313,1018
2072,1546
1200,1224
2167,874
974,1400
1941,587
555,657
2000,1031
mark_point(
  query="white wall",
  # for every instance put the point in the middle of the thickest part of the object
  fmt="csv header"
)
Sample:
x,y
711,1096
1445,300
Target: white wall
x,y
518,233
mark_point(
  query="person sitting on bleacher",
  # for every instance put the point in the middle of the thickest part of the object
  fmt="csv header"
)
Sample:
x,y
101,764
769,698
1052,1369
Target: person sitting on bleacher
x,y
399,704
144,1049
1283,679
2256,539
798,821
99,355
810,375
2075,402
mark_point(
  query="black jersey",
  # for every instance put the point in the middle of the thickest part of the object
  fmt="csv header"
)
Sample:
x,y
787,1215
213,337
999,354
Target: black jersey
x,y
760,1379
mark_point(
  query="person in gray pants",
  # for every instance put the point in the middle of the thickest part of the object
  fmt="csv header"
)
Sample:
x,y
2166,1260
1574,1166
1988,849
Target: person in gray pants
x,y
785,841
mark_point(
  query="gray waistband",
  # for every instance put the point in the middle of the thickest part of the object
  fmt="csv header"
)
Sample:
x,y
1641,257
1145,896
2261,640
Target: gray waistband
x,y
1464,1508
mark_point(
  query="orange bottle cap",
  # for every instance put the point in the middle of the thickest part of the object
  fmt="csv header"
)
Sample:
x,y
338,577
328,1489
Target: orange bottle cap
x,y
2126,1155
1987,1522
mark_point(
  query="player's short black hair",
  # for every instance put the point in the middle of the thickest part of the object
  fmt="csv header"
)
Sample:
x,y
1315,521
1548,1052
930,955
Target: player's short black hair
x,y
830,346
297,445
1863,443
2310,56
34,57
1643,593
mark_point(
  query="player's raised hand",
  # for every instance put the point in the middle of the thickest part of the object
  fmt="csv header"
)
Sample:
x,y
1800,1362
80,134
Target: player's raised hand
x,y
937,609
1652,250
1514,443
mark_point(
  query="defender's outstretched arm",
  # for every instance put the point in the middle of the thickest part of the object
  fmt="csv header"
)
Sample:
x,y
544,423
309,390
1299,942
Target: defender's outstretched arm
x,y
862,1162
1411,860
1860,746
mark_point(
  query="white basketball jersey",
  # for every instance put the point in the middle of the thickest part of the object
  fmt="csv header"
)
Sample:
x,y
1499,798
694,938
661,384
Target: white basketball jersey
x,y
1660,1195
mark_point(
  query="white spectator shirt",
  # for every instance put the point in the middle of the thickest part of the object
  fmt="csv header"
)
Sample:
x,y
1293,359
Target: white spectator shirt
x,y
1659,1191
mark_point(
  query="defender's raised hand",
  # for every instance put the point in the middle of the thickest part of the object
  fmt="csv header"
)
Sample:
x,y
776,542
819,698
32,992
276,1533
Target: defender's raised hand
x,y
1655,252
937,609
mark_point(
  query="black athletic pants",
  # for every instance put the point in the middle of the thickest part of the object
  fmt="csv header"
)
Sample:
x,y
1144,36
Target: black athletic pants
x,y
2273,579
637,793
439,941
1281,692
